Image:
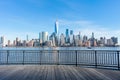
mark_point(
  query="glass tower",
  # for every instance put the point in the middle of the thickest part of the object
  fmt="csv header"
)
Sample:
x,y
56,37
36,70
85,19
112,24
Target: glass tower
x,y
67,35
56,27
44,37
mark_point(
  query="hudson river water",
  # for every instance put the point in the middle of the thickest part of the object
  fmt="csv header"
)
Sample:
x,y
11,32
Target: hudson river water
x,y
59,48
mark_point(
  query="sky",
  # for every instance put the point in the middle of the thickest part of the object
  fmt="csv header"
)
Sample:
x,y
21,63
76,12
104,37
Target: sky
x,y
21,17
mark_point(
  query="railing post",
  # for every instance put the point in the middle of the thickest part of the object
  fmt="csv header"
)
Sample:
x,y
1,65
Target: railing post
x,y
96,59
40,56
7,56
58,57
23,57
118,60
76,57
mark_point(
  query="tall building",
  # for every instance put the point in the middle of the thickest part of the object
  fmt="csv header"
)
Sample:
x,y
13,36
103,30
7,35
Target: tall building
x,y
115,40
52,39
2,41
44,37
71,32
67,36
9,43
40,37
79,36
17,41
56,27
14,43
110,42
71,39
92,39
92,35
24,43
85,38
27,39
62,40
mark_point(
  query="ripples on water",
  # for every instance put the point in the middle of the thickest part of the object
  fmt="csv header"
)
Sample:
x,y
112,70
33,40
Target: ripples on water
x,y
59,48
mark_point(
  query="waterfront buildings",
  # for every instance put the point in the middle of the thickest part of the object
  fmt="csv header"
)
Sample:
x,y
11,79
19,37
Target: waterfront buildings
x,y
54,40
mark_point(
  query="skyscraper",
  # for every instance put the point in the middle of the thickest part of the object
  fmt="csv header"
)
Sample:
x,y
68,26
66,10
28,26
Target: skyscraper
x,y
71,32
92,35
40,37
27,38
67,32
62,40
79,36
67,35
71,37
9,43
17,41
115,40
44,37
2,41
56,27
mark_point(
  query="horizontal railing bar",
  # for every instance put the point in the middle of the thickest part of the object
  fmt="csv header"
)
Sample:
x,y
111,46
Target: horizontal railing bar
x,y
61,50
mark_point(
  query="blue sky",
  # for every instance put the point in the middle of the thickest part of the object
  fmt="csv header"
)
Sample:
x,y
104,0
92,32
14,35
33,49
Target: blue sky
x,y
22,17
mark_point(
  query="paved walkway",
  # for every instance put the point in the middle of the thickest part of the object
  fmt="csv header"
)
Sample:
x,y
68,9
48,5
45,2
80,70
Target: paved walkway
x,y
54,72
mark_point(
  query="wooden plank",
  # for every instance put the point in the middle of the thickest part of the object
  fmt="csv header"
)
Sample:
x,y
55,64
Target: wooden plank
x,y
65,72
55,72
44,73
50,73
75,74
111,74
59,75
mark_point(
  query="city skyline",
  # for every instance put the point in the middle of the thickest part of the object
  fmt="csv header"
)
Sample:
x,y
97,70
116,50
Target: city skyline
x,y
29,17
56,33
56,39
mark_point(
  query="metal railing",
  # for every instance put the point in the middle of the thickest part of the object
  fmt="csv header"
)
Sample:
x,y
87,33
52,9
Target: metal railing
x,y
96,58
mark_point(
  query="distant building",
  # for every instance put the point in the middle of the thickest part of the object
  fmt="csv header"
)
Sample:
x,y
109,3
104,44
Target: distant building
x,y
109,42
36,43
92,35
62,40
52,38
88,44
40,38
79,36
9,44
2,41
44,37
95,43
85,38
115,40
24,43
17,41
30,43
27,38
71,32
14,43
72,39
56,27
67,36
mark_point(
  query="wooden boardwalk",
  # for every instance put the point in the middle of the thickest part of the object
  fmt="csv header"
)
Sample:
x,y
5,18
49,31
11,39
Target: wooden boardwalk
x,y
55,72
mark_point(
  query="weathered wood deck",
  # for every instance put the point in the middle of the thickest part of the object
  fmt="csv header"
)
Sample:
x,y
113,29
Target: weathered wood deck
x,y
55,72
